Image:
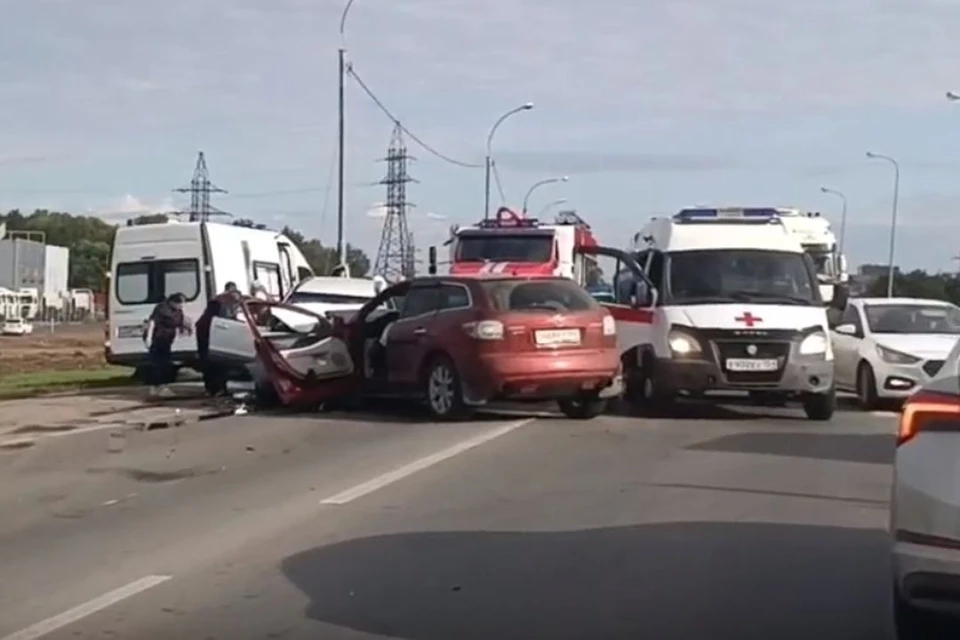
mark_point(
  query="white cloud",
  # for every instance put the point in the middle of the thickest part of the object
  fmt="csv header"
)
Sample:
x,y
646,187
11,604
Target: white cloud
x,y
377,210
130,206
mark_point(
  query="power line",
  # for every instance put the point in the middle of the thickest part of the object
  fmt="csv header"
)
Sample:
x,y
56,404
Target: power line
x,y
426,147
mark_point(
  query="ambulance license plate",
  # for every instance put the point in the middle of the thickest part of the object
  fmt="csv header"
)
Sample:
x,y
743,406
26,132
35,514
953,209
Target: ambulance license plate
x,y
752,364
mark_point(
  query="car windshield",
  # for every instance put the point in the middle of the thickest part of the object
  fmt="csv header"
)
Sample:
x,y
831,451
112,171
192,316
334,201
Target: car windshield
x,y
538,296
496,246
717,276
912,318
309,297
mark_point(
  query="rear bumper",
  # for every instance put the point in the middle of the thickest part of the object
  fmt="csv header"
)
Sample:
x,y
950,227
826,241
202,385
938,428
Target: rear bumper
x,y
545,376
928,576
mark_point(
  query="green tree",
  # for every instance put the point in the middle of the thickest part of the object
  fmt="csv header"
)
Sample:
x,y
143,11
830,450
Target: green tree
x,y
89,239
919,284
324,259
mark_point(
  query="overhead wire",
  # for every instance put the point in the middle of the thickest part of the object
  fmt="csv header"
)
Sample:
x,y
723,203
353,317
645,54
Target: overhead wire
x,y
426,147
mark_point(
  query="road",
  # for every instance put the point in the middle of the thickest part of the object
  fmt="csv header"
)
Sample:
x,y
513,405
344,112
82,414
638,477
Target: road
x,y
728,523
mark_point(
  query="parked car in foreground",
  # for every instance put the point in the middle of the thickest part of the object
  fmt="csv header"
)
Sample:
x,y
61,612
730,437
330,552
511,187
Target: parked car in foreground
x,y
886,348
455,343
925,510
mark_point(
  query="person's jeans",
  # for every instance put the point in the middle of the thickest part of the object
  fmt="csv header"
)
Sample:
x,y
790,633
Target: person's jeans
x,y
161,362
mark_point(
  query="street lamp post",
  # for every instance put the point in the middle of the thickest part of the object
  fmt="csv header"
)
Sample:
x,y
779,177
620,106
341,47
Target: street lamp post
x,y
488,159
843,214
893,221
536,185
551,205
341,131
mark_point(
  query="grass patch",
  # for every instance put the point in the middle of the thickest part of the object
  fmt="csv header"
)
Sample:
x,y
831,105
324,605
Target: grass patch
x,y
30,384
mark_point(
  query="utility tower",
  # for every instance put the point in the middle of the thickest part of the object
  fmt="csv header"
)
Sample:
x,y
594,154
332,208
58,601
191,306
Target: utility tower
x,y
395,259
200,189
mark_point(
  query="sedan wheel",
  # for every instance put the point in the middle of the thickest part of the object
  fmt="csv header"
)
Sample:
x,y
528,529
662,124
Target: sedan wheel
x,y
866,387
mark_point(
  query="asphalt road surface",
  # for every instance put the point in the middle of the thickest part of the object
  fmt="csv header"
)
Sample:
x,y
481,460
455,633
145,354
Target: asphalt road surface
x,y
727,523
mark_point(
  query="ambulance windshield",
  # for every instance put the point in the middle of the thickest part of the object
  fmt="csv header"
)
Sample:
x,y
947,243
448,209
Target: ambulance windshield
x,y
497,246
740,275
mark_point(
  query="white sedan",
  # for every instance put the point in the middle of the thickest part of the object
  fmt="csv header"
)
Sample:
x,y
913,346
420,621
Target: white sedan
x,y
886,348
321,295
16,327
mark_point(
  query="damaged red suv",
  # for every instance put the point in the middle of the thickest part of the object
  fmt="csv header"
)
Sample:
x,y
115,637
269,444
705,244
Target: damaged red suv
x,y
457,343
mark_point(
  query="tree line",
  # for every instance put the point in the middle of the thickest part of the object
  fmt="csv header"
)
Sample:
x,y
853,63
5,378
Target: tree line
x,y
918,284
89,239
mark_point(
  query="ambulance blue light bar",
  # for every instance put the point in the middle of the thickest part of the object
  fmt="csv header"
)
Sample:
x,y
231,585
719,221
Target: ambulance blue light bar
x,y
732,214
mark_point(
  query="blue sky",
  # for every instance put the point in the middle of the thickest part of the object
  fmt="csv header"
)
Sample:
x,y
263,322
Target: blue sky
x,y
647,106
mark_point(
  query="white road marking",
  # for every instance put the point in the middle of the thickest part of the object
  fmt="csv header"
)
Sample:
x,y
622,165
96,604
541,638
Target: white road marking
x,y
885,414
45,627
390,477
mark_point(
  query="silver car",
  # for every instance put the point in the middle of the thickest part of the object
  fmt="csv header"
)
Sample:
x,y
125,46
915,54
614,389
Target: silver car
x,y
925,509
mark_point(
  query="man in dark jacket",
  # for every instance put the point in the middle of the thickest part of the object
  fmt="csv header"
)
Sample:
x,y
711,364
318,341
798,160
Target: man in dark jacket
x,y
213,379
165,323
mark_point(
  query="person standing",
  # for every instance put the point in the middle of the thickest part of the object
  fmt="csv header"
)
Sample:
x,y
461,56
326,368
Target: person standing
x,y
165,323
213,380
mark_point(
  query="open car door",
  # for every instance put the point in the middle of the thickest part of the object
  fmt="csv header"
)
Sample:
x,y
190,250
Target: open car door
x,y
305,357
631,297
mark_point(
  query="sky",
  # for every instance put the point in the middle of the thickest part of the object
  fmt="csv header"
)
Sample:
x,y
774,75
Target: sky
x,y
648,106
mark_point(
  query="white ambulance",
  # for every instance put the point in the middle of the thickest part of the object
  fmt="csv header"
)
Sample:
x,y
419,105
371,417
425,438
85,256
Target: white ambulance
x,y
727,300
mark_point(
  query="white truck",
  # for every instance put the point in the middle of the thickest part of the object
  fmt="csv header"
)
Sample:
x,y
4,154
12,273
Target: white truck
x,y
728,301
818,240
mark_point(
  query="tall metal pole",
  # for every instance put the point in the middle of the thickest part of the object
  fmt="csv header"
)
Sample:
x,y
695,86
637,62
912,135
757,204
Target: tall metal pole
x,y
843,214
341,248
489,156
893,218
341,138
535,186
486,185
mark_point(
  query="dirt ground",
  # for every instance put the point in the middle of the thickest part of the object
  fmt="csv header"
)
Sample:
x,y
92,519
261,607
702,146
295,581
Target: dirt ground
x,y
67,347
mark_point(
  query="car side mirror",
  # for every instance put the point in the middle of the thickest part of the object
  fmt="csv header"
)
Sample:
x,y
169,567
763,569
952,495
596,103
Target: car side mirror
x,y
848,329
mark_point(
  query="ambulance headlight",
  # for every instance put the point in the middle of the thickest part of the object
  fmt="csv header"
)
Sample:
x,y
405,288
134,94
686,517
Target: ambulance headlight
x,y
683,344
814,344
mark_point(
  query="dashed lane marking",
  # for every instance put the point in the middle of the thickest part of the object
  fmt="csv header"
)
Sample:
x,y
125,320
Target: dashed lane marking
x,y
406,470
59,621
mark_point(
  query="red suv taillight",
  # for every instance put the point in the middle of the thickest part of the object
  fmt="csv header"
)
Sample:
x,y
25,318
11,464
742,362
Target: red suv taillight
x,y
484,329
928,411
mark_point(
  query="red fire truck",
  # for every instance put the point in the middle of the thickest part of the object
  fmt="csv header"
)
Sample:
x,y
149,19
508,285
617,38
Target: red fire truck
x,y
513,244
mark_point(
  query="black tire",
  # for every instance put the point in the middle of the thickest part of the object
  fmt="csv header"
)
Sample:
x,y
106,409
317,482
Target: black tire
x,y
820,406
442,390
866,387
645,394
911,623
582,406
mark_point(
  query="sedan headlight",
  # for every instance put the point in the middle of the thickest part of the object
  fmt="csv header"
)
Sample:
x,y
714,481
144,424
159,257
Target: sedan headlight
x,y
896,357
683,344
814,344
